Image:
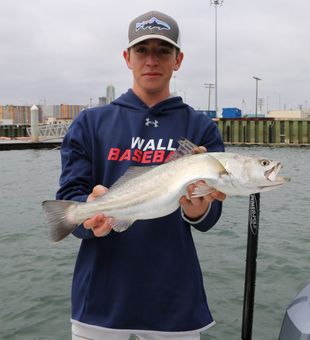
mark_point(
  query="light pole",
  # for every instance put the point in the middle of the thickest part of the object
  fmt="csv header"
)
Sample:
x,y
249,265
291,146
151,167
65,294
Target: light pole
x,y
256,95
279,97
216,3
260,104
209,86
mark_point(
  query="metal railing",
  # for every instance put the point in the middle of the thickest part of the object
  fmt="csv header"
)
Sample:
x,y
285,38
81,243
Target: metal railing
x,y
51,131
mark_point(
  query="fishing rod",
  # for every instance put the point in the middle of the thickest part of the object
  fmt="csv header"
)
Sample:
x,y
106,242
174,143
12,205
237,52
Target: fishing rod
x,y
250,270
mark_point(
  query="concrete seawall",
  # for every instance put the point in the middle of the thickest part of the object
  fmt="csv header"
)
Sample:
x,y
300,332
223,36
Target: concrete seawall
x,y
238,131
17,144
264,131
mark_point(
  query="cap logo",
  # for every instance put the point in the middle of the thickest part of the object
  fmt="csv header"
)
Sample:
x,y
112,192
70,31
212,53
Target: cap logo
x,y
151,24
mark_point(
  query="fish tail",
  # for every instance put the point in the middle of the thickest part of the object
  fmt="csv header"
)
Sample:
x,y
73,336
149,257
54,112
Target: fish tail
x,y
59,225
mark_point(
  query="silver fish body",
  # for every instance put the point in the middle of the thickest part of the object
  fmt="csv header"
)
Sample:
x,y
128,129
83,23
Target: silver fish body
x,y
146,193
151,192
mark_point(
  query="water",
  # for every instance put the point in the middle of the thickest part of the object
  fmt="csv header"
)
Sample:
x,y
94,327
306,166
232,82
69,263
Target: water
x,y
36,275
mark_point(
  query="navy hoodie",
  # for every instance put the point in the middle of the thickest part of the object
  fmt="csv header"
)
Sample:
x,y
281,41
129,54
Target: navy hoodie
x,y
148,277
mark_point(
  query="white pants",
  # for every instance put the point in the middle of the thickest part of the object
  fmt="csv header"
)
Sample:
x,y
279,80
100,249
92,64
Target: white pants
x,y
124,336
81,331
140,337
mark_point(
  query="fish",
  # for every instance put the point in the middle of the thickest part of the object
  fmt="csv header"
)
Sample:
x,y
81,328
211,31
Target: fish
x,y
150,192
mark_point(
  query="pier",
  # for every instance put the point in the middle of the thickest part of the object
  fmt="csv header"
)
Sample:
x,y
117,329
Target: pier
x,y
265,131
235,131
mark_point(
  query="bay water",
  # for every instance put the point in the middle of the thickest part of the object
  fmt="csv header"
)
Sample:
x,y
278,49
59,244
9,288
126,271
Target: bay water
x,y
35,275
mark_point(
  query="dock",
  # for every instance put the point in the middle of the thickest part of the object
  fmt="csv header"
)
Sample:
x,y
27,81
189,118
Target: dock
x,y
235,131
265,131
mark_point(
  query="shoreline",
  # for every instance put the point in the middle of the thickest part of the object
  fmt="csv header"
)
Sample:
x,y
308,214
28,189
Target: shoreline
x,y
24,143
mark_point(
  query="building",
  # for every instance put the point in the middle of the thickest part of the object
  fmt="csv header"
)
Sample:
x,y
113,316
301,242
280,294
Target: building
x,y
289,114
47,112
66,111
55,121
102,101
15,114
62,111
20,115
110,94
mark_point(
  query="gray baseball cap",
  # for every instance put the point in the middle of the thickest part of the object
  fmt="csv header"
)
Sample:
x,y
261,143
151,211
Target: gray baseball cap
x,y
154,25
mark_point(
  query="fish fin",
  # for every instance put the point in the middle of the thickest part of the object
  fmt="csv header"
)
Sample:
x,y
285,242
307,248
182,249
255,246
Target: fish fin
x,y
59,226
202,189
121,225
185,148
186,144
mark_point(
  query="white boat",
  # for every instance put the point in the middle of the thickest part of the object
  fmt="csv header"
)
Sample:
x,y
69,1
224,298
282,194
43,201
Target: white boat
x,y
296,322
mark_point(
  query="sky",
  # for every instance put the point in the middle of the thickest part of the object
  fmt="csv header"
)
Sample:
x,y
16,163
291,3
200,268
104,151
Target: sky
x,y
69,51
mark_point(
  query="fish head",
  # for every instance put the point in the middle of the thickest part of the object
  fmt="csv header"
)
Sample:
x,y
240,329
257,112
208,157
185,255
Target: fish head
x,y
264,173
263,168
250,175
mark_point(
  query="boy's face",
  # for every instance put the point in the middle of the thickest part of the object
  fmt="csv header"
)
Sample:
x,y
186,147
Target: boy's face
x,y
152,63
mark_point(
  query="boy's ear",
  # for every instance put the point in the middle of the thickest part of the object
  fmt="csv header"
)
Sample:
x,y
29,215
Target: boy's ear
x,y
126,55
179,60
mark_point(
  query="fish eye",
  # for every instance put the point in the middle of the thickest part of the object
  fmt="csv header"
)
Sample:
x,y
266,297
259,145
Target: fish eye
x,y
264,162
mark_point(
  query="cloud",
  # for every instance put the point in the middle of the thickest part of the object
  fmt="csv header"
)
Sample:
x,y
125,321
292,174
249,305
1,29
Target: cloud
x,y
68,51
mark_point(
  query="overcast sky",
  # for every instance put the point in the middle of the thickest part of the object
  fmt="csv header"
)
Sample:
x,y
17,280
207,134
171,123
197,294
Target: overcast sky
x,y
68,51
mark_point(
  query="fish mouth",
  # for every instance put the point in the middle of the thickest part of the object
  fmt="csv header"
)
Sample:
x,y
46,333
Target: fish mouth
x,y
279,181
271,174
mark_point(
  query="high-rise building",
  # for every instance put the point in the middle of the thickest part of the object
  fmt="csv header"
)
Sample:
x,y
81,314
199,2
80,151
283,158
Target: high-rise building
x,y
62,111
110,94
66,111
102,101
15,114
